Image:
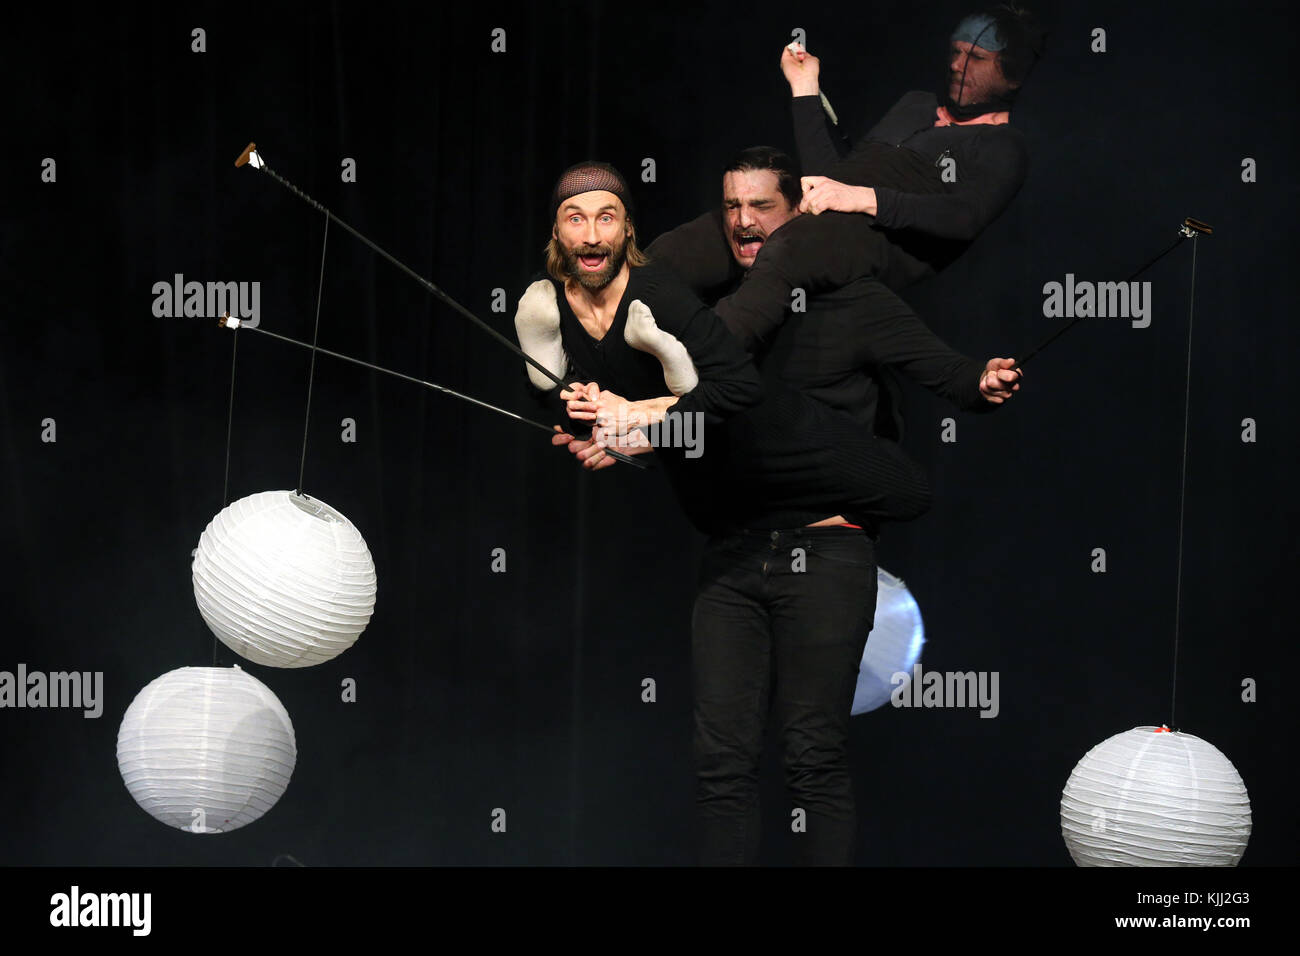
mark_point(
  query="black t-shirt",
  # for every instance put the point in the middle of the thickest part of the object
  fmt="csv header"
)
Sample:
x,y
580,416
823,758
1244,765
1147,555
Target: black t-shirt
x,y
728,381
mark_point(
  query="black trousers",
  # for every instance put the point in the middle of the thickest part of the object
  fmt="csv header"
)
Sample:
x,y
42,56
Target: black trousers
x,y
780,622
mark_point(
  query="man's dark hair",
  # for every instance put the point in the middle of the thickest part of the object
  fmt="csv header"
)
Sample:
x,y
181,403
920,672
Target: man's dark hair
x,y
1024,39
768,157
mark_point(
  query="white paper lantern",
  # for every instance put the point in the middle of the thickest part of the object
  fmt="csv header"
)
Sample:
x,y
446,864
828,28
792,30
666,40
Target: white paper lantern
x,y
894,644
1153,797
284,580
206,749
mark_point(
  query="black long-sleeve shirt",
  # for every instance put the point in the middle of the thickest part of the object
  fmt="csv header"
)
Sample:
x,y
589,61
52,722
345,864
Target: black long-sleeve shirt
x,y
853,337
922,222
699,253
782,461
831,393
902,158
829,378
845,349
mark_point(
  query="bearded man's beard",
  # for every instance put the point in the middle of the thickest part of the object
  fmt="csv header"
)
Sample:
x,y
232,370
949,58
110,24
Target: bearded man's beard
x,y
595,281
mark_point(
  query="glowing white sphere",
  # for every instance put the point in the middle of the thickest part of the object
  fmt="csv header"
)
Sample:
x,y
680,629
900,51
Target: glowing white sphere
x,y
1152,797
206,749
893,646
284,580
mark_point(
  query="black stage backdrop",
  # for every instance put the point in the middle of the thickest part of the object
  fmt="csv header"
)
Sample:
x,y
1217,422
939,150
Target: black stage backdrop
x,y
522,689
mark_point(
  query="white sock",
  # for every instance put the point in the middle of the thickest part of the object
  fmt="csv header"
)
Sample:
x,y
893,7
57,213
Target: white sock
x,y
644,335
537,324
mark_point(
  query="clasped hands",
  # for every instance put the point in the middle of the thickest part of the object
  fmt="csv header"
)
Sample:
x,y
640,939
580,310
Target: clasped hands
x,y
615,424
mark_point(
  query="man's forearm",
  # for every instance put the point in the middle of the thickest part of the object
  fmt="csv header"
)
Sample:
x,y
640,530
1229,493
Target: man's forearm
x,y
819,152
623,420
654,409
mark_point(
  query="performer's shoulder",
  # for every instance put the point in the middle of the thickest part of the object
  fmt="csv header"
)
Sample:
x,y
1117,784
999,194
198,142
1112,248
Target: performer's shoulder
x,y
666,293
1006,131
541,275
918,100
707,226
919,96
998,143
1006,140
657,276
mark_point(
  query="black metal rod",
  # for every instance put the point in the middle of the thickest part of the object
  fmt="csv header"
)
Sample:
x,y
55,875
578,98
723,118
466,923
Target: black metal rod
x,y
1079,318
433,385
437,293
425,283
410,378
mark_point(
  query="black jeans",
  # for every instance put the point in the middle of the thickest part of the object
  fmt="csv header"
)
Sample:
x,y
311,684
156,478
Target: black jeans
x,y
780,622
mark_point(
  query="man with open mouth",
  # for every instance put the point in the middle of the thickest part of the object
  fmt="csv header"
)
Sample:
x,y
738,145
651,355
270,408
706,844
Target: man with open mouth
x,y
763,623
627,330
785,578
900,205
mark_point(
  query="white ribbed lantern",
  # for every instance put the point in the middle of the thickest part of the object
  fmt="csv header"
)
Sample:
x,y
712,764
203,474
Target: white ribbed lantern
x,y
284,580
206,749
1152,797
894,644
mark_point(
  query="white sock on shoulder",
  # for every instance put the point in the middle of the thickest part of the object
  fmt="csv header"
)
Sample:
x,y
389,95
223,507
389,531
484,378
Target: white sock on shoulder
x,y
644,335
537,325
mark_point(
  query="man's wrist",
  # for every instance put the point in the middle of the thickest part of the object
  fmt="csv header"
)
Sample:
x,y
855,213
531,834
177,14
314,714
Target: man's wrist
x,y
654,409
805,88
868,202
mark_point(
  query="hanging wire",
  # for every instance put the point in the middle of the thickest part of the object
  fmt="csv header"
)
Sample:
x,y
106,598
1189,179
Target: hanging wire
x,y
311,376
230,420
1182,494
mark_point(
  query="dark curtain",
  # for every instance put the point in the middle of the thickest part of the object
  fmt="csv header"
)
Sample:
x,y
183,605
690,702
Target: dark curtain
x,y
522,690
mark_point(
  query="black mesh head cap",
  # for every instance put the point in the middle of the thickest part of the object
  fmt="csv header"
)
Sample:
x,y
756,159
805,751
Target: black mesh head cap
x,y
587,177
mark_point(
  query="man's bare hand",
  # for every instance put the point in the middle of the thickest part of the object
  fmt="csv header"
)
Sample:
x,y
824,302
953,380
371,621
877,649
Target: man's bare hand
x,y
1000,379
609,413
591,453
587,403
576,392
827,195
801,70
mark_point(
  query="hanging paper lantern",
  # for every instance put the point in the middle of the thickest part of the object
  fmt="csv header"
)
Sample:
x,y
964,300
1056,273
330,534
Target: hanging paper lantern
x,y
893,646
1153,797
284,580
206,749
